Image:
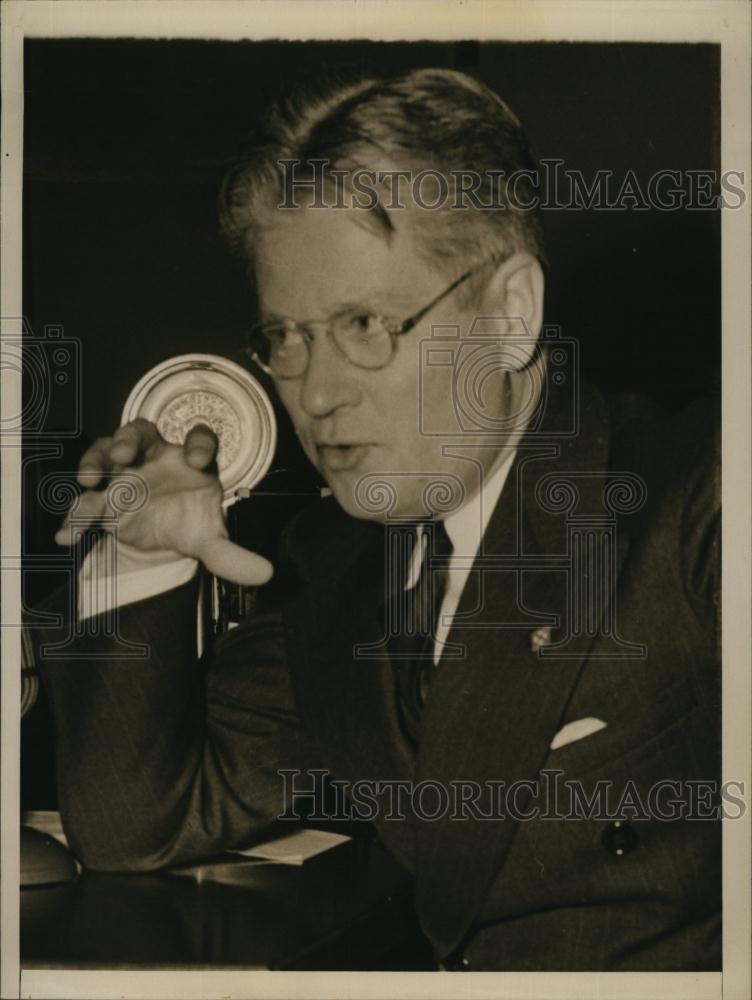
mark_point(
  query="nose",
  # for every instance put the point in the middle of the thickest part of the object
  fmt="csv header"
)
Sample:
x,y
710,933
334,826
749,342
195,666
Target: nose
x,y
330,381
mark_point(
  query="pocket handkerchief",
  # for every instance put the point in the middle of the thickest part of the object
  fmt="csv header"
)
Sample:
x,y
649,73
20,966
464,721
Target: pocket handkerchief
x,y
576,730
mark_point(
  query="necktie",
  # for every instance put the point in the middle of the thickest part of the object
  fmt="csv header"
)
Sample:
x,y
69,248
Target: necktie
x,y
414,617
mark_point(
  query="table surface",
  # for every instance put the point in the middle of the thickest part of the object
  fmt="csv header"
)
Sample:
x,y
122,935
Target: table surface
x,y
348,908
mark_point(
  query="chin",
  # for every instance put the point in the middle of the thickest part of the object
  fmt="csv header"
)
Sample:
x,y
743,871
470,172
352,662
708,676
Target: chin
x,y
381,504
358,506
372,500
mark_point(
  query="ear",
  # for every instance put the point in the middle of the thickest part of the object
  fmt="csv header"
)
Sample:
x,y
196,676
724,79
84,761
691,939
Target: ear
x,y
515,292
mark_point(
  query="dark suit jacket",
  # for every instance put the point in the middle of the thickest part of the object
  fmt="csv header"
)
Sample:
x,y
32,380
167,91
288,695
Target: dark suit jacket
x,y
606,538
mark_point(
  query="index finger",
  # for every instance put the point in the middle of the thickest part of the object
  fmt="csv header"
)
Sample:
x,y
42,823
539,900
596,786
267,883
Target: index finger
x,y
200,446
133,440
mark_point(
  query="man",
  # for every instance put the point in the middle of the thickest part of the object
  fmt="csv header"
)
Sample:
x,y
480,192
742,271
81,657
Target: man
x,y
563,554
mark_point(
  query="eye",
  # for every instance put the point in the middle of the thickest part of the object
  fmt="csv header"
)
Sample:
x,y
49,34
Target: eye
x,y
363,327
274,334
280,336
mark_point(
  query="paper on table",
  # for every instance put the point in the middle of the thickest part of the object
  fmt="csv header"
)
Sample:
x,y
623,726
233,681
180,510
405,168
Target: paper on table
x,y
47,821
295,848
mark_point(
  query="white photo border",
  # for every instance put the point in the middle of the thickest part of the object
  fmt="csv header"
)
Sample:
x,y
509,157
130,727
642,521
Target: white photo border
x,y
725,22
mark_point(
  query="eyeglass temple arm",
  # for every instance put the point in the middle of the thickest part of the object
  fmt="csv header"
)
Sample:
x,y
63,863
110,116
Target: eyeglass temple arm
x,y
412,320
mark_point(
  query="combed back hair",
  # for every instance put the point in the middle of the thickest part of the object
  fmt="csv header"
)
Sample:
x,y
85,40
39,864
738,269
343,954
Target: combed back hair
x,y
437,120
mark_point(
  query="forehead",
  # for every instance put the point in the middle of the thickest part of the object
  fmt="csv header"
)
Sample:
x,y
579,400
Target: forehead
x,y
310,262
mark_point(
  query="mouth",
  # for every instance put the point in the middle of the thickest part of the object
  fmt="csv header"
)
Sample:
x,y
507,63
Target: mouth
x,y
342,457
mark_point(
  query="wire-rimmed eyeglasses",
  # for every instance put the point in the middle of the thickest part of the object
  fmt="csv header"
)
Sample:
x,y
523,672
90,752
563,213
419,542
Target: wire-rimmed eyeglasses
x,y
367,340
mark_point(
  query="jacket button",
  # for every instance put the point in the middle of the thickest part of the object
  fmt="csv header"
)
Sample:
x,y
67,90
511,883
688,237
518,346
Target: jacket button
x,y
539,638
619,838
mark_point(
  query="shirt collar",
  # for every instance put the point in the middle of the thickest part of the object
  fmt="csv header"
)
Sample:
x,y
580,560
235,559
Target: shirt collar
x,y
467,525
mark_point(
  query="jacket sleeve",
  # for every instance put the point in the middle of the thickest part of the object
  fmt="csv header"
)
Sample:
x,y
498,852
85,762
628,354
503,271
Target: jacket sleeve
x,y
162,758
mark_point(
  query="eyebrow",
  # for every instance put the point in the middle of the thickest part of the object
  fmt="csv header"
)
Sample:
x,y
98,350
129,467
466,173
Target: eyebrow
x,y
351,306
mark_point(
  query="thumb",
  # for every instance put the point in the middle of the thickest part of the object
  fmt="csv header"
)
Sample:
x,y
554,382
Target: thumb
x,y
234,563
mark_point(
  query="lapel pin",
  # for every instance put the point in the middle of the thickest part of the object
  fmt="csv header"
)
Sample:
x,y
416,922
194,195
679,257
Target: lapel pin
x,y
539,638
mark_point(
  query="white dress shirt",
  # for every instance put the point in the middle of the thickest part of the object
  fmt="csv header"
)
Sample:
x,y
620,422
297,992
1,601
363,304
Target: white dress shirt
x,y
116,574
465,528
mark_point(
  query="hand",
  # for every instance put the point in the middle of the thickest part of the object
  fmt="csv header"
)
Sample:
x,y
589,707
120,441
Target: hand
x,y
174,499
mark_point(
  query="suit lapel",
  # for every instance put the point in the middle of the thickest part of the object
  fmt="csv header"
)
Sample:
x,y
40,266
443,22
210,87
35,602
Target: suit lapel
x,y
490,716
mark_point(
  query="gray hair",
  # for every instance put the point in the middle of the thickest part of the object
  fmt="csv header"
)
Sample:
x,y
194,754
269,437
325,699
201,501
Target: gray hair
x,y
434,120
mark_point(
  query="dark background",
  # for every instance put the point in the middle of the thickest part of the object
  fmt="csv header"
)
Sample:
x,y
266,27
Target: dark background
x,y
125,146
